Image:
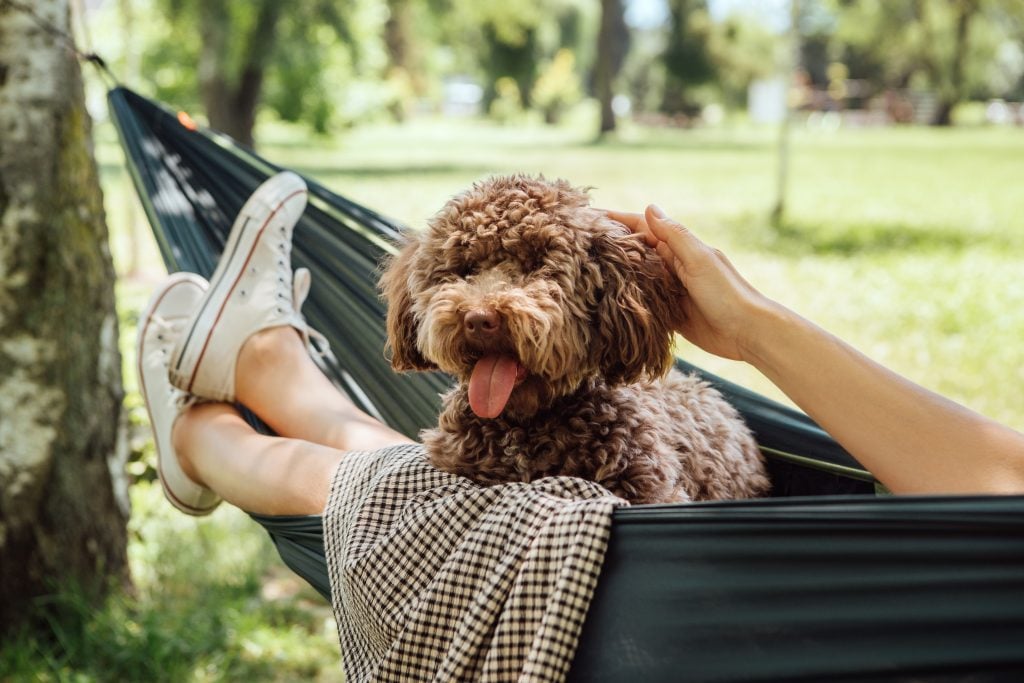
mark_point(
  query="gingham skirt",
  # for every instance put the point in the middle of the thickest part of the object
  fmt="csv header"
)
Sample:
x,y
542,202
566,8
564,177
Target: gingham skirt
x,y
434,578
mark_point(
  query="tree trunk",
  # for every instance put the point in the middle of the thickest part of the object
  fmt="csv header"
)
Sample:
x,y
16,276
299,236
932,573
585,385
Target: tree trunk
x,y
231,100
610,52
63,499
400,41
687,57
953,93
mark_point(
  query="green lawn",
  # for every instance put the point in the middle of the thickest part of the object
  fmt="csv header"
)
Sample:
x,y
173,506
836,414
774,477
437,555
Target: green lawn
x,y
907,242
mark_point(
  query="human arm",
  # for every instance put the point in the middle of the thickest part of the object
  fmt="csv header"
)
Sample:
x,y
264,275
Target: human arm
x,y
911,439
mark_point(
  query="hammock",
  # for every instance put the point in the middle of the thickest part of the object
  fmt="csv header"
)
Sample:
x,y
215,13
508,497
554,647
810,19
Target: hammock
x,y
822,580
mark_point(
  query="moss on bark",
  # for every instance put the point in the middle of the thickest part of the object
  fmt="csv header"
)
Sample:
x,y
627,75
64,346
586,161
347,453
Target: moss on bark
x,y
61,523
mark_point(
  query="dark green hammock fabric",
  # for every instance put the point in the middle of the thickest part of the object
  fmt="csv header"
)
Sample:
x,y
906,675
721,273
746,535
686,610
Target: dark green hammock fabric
x,y
823,581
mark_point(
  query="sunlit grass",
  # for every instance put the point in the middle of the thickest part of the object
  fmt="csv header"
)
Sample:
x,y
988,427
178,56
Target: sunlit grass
x,y
210,603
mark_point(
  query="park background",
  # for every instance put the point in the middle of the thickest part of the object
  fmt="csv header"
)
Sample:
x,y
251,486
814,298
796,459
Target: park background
x,y
901,229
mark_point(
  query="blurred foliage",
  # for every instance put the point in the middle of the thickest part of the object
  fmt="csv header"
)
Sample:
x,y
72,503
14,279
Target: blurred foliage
x,y
507,103
956,50
742,50
687,55
511,39
332,65
319,56
558,86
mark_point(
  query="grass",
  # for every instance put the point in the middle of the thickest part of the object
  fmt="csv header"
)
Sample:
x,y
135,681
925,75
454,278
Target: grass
x,y
907,242
211,602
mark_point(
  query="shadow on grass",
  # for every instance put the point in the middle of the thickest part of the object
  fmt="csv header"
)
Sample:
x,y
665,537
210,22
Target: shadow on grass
x,y
797,238
323,170
702,146
678,140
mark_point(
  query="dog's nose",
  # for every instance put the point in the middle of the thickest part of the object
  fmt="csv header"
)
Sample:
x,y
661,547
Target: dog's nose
x,y
482,323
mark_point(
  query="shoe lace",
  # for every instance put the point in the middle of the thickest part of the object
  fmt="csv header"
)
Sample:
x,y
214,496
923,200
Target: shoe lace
x,y
184,400
166,331
316,343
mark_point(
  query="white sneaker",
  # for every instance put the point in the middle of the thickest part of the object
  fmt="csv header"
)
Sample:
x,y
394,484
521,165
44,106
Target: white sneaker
x,y
251,290
159,327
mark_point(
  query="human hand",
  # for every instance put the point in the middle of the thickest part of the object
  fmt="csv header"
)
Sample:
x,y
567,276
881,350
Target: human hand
x,y
721,307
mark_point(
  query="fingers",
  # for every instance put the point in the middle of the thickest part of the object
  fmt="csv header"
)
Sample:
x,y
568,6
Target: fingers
x,y
671,262
685,245
630,220
658,229
635,222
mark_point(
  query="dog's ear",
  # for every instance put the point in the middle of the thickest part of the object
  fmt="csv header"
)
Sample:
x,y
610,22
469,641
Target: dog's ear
x,y
638,306
396,284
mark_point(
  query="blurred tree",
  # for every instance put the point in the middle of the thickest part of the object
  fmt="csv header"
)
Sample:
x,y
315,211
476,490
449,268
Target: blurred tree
x,y
515,39
231,92
687,56
558,86
63,496
510,52
947,74
507,105
612,47
313,61
402,47
410,34
242,46
742,50
946,48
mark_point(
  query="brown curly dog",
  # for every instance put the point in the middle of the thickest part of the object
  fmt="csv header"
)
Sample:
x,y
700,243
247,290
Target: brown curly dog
x,y
557,324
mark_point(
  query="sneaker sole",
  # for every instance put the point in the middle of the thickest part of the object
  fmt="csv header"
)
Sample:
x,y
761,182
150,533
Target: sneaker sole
x,y
147,315
242,240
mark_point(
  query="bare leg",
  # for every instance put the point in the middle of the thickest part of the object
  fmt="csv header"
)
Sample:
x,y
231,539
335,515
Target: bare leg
x,y
277,380
276,475
270,475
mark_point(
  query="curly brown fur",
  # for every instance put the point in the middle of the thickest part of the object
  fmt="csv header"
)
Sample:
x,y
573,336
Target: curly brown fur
x,y
586,311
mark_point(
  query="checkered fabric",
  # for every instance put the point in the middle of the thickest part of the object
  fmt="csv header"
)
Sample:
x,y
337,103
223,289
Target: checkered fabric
x,y
435,578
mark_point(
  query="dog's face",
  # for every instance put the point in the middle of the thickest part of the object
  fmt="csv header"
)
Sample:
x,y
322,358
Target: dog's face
x,y
521,291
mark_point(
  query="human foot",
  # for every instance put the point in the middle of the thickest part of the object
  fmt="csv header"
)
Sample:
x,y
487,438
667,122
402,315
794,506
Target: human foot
x,y
252,290
160,326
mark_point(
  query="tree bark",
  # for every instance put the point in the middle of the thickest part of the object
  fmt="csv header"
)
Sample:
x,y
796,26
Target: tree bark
x,y
610,53
231,99
63,499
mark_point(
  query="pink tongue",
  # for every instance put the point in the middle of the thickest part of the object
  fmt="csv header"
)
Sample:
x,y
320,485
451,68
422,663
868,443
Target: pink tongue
x,y
491,384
